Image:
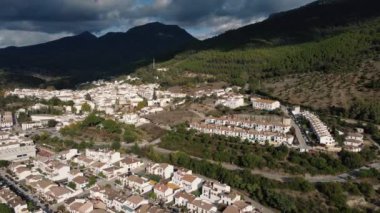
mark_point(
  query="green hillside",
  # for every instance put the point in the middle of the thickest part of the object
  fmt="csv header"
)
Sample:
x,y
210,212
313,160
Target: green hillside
x,y
339,53
264,68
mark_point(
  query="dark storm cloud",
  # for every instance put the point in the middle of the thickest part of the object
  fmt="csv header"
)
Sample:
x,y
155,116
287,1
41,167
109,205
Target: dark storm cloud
x,y
51,18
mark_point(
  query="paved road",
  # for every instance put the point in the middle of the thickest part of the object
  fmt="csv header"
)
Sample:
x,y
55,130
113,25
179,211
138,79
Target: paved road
x,y
299,135
28,195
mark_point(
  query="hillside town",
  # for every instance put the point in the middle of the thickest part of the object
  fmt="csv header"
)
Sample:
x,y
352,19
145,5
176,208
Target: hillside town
x,y
105,180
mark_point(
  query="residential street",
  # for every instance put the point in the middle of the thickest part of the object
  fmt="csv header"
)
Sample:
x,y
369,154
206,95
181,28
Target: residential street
x,y
32,197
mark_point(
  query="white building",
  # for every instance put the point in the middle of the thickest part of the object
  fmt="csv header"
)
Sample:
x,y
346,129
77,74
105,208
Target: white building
x,y
255,122
6,120
16,148
213,191
201,206
253,136
240,207
353,142
186,180
183,198
265,104
137,184
133,203
108,157
53,169
231,101
320,129
161,169
164,192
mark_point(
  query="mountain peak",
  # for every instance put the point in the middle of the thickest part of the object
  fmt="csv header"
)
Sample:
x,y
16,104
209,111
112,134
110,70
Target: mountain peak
x,y
86,34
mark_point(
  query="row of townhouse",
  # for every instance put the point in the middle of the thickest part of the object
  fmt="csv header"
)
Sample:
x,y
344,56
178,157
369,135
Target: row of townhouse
x,y
319,128
257,123
11,199
250,135
97,206
49,190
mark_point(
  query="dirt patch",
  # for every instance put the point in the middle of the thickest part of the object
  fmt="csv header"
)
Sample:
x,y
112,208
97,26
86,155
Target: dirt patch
x,y
152,131
172,117
204,86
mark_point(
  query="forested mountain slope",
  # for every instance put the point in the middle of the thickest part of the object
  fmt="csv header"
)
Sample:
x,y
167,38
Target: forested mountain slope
x,y
348,42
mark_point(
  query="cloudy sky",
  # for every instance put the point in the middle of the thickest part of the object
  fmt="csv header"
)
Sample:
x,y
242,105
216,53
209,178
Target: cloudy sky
x,y
25,22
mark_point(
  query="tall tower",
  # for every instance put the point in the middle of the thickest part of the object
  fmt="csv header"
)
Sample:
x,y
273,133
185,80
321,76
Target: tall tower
x,y
154,63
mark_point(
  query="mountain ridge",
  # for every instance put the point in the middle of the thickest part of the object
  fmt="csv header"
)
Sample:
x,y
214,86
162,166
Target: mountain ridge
x,y
85,55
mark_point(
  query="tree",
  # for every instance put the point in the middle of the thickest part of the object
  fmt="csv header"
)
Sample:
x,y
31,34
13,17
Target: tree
x,y
116,145
23,117
130,135
61,208
87,97
72,185
152,195
92,120
351,160
52,123
111,126
31,206
4,163
142,104
5,209
86,107
91,181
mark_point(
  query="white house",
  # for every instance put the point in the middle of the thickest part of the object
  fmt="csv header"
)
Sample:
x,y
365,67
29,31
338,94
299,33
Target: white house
x,y
265,104
186,180
161,169
183,198
133,202
137,184
201,206
213,191
240,207
108,157
353,142
68,154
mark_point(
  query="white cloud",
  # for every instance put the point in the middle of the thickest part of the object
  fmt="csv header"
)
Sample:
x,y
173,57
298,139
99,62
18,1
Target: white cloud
x,y
23,38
